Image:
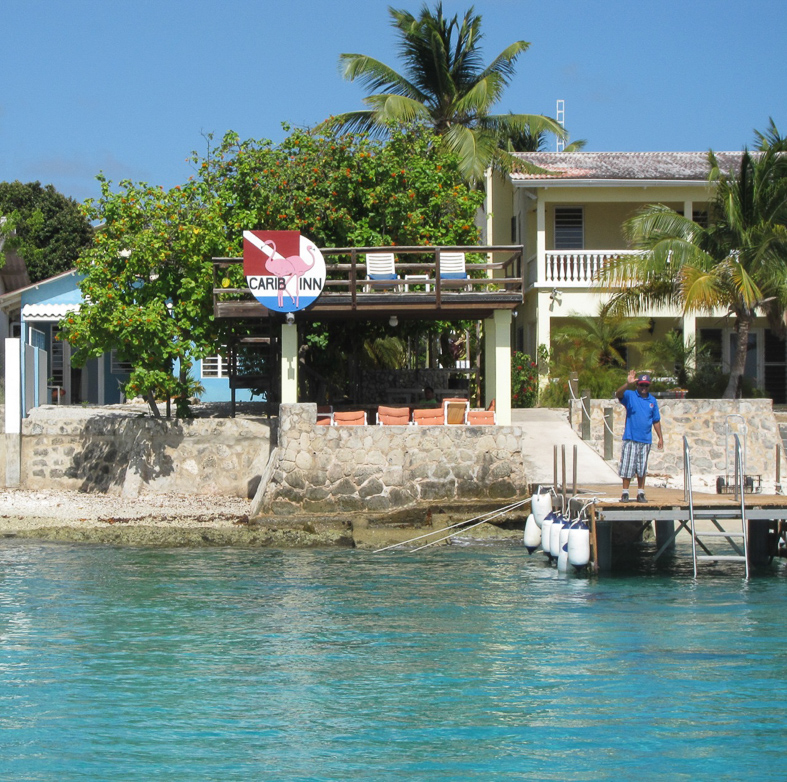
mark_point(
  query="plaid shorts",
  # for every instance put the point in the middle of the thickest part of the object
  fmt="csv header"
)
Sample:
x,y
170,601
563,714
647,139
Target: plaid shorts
x,y
634,459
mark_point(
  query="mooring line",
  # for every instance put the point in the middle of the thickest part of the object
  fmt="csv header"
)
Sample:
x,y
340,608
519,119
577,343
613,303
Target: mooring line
x,y
491,514
484,521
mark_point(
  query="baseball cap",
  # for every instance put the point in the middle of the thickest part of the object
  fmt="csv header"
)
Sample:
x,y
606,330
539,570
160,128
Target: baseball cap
x,y
643,379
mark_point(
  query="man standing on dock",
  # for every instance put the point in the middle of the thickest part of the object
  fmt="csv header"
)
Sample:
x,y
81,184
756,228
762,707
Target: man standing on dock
x,y
642,415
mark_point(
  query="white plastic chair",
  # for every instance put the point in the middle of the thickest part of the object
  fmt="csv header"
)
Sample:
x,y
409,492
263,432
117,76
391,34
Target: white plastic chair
x,y
380,266
453,267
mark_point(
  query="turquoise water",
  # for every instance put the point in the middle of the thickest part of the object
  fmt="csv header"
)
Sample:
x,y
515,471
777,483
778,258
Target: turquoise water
x,y
466,663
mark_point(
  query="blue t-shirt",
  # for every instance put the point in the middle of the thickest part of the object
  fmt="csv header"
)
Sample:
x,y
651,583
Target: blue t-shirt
x,y
641,414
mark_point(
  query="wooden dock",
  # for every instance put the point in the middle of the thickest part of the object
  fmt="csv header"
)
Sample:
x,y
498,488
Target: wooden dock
x,y
670,512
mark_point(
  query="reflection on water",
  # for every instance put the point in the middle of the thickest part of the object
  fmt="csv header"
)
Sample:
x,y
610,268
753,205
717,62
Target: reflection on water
x,y
452,664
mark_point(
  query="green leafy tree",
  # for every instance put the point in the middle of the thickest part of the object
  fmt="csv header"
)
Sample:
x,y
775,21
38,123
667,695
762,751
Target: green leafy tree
x,y
445,84
343,191
737,263
147,285
45,228
149,275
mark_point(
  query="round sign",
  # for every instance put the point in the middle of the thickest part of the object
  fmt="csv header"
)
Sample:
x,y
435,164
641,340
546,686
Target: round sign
x,y
284,270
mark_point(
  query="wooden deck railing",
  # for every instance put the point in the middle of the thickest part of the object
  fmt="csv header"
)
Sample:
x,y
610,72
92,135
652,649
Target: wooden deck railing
x,y
501,270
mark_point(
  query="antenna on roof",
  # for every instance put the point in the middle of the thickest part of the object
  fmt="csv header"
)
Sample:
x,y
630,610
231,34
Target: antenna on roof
x,y
560,115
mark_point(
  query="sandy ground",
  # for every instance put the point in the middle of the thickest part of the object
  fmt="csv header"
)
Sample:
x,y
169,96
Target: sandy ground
x,y
43,508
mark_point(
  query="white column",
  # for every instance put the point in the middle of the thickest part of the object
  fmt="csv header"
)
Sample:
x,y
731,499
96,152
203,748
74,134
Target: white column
x,y
490,238
502,351
541,235
289,363
543,316
688,209
490,377
13,411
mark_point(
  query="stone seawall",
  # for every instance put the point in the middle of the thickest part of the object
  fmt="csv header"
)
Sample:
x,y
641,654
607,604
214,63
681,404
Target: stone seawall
x,y
329,469
117,453
709,425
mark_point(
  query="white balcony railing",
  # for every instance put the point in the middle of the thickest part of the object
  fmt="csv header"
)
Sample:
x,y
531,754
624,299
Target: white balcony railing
x,y
575,268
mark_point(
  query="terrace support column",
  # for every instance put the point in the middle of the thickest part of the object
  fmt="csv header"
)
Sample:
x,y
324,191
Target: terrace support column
x,y
289,363
497,330
490,378
13,412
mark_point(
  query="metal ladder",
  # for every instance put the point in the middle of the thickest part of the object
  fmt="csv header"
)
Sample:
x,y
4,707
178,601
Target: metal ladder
x,y
733,538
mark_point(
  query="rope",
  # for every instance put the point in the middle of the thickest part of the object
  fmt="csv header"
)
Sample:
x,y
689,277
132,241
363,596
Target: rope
x,y
491,514
494,516
587,411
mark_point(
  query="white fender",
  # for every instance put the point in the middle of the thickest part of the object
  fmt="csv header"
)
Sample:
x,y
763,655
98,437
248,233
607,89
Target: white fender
x,y
545,528
562,554
540,505
579,544
532,534
554,537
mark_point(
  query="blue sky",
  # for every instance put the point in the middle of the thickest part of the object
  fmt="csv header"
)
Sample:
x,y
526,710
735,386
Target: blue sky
x,y
130,88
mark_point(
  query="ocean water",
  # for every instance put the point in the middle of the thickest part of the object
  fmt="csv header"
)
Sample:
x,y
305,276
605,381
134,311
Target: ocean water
x,y
464,663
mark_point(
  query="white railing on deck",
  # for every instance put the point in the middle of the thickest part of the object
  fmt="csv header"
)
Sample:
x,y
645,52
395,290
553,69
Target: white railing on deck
x,y
577,267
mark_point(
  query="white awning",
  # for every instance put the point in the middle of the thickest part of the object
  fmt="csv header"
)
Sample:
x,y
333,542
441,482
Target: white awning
x,y
47,312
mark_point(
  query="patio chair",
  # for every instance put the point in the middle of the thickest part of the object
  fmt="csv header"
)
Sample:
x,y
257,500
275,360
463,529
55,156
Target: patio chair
x,y
453,267
324,415
393,416
380,266
349,418
481,418
428,416
455,410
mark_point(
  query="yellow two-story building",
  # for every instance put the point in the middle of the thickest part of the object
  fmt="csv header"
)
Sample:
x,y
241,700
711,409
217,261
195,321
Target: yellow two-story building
x,y
570,220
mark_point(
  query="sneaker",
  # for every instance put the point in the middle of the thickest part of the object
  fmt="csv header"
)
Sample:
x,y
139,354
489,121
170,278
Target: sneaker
x,y
641,496
624,497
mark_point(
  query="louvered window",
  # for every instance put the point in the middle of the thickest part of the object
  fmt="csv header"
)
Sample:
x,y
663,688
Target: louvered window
x,y
215,366
569,228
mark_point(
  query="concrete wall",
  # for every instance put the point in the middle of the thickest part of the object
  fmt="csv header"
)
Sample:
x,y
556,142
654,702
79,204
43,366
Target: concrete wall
x,y
327,469
85,450
707,424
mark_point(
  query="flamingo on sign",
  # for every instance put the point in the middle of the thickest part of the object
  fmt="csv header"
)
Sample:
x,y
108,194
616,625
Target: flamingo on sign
x,y
289,268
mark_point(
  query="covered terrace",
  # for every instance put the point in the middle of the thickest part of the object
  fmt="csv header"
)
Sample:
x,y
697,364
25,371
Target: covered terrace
x,y
420,290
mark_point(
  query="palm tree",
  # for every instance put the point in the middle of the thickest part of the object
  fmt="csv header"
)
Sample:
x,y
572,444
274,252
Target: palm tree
x,y
599,341
738,262
444,85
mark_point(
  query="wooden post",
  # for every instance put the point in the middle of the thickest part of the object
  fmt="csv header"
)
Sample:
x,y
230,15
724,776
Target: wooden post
x,y
609,445
554,465
593,540
573,385
574,474
585,414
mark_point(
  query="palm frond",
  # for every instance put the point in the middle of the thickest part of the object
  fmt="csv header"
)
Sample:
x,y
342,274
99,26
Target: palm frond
x,y
701,289
475,148
504,63
533,123
376,75
351,122
395,108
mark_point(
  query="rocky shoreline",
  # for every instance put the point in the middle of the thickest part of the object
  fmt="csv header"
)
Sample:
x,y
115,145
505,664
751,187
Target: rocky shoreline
x,y
177,520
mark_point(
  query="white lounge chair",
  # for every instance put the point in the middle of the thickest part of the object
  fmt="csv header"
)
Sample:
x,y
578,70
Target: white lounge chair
x,y
380,266
453,267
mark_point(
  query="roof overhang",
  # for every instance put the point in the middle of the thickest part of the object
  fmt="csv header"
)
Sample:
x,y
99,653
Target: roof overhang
x,y
640,183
